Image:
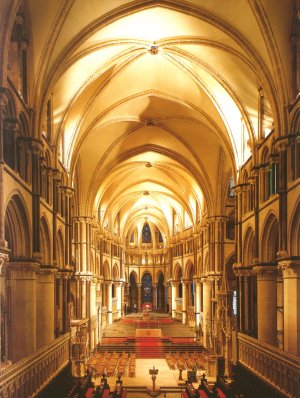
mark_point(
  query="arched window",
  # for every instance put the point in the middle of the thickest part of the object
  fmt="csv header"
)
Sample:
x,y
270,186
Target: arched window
x,y
147,288
146,234
230,189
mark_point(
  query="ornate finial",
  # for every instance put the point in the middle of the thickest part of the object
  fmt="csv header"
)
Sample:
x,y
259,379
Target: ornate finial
x,y
153,50
150,124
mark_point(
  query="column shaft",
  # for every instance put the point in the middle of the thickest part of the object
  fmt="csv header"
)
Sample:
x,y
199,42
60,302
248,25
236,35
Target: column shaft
x,y
173,303
206,313
44,307
22,310
184,300
197,303
291,289
267,304
109,303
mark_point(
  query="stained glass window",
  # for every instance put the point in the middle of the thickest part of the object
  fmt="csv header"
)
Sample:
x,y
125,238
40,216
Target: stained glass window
x,y
146,234
230,189
147,288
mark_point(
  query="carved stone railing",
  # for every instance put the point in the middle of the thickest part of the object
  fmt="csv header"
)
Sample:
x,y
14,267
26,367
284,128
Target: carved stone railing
x,y
26,378
276,367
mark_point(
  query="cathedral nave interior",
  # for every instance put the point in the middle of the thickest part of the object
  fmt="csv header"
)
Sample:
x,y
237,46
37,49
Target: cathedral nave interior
x,y
149,178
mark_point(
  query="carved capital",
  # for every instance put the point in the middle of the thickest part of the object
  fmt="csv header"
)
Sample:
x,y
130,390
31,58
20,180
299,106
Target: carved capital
x,y
265,272
290,268
22,269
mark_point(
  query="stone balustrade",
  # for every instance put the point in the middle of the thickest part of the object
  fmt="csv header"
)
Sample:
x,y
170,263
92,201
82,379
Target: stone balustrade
x,y
25,378
276,367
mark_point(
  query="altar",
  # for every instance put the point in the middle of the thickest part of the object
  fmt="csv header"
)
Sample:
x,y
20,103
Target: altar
x,y
148,333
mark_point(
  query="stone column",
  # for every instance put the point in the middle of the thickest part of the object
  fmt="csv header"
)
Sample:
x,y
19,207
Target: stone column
x,y
36,150
4,354
267,303
22,309
184,301
68,238
197,301
173,303
139,296
119,298
83,297
246,303
93,324
109,301
291,304
282,192
154,295
59,303
122,298
82,243
206,312
44,307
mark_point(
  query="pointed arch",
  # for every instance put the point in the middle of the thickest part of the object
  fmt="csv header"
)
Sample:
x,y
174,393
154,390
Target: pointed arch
x,y
248,247
17,229
133,277
106,271
45,249
189,270
269,239
115,273
177,272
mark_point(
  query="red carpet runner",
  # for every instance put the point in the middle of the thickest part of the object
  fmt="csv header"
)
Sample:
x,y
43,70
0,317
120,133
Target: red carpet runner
x,y
149,347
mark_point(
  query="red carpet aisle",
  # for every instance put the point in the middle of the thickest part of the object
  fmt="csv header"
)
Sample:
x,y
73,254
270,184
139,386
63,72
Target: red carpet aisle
x,y
149,347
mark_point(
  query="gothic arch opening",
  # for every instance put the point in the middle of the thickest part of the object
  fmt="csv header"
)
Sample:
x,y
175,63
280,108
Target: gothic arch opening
x,y
17,232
